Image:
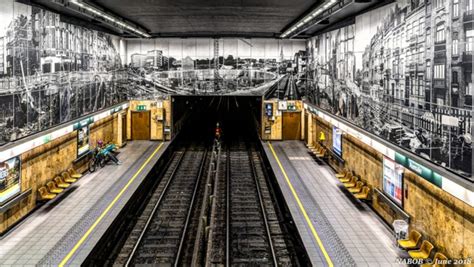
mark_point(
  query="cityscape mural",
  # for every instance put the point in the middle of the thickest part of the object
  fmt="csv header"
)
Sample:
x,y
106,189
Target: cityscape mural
x,y
209,66
403,72
52,72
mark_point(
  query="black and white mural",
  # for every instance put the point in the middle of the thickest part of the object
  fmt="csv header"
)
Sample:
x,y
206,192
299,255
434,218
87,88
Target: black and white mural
x,y
52,72
403,72
209,66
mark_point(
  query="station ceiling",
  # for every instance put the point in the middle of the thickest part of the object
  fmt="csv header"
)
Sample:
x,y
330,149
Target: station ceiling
x,y
217,18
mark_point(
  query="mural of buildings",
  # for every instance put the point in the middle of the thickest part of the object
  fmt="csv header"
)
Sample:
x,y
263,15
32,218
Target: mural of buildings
x,y
199,65
397,84
52,72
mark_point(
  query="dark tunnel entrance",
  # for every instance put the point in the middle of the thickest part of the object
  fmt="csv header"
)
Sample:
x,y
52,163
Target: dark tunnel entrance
x,y
196,116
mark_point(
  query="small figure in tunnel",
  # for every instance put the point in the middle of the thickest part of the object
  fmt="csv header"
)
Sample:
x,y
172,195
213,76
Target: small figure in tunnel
x,y
218,132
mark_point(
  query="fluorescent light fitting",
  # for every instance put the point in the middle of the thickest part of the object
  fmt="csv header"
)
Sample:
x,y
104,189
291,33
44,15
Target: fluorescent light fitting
x,y
102,14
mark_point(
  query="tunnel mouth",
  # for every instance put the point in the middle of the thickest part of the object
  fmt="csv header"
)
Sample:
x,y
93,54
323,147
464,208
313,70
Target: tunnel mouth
x,y
197,117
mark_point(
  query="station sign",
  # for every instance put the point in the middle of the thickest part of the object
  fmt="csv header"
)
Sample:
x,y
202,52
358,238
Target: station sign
x,y
82,123
419,169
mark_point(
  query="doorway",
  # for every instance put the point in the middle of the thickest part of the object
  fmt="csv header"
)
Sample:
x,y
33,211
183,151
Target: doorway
x,y
140,125
291,125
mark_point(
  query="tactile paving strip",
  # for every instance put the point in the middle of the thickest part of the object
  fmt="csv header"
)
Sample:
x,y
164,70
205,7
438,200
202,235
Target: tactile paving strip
x,y
67,242
338,253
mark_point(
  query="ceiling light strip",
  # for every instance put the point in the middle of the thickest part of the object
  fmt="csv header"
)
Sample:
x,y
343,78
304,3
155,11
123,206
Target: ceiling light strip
x,y
117,21
308,18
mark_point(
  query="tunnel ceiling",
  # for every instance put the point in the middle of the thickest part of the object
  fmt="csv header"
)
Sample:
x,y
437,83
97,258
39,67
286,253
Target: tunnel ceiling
x,y
214,18
262,18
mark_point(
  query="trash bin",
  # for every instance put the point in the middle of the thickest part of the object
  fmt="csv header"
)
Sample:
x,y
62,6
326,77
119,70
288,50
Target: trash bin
x,y
400,228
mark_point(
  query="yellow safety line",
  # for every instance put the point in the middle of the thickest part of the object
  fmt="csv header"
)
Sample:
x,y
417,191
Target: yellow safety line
x,y
303,210
89,231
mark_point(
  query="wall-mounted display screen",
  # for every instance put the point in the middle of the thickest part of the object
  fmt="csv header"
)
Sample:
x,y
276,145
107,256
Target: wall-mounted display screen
x,y
393,180
83,140
10,175
337,141
269,109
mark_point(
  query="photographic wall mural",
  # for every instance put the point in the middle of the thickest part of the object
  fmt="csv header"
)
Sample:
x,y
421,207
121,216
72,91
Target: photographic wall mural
x,y
52,72
208,66
404,73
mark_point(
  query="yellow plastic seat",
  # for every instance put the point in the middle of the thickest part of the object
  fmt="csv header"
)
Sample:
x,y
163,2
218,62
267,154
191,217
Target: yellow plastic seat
x,y
412,241
341,174
364,194
74,174
439,260
53,188
351,183
60,182
321,154
44,194
347,178
67,178
357,188
424,251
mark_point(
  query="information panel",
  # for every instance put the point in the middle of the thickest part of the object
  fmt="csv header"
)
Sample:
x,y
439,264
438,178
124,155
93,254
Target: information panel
x,y
10,174
337,141
83,140
393,180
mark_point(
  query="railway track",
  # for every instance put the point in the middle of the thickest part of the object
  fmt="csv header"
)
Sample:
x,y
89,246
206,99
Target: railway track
x,y
211,209
244,225
158,236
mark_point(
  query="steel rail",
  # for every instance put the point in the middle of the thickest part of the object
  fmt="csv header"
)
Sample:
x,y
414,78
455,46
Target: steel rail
x,y
155,208
190,211
227,234
262,207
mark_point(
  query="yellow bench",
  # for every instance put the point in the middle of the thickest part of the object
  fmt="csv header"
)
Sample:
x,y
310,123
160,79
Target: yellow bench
x,y
424,251
364,194
439,257
412,241
44,194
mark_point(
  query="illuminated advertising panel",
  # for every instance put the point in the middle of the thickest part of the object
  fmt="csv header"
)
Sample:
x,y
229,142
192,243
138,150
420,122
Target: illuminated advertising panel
x,y
337,141
10,174
393,180
83,140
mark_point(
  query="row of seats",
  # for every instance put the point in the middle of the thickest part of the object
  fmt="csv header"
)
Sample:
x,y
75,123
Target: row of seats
x,y
318,150
348,179
354,184
58,184
424,251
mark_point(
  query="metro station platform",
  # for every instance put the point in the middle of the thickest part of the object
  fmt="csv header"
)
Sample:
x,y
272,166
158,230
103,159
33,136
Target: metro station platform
x,y
335,230
65,230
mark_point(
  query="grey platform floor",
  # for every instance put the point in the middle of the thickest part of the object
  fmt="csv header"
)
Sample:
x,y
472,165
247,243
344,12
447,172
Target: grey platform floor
x,y
49,234
350,232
